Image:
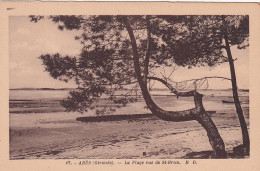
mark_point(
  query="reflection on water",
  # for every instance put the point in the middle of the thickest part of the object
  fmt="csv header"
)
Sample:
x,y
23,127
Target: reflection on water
x,y
37,94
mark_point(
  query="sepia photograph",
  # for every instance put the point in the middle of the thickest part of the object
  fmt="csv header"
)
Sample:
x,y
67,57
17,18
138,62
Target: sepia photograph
x,y
129,86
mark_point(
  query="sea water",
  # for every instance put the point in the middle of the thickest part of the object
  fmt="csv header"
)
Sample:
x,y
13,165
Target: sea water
x,y
212,99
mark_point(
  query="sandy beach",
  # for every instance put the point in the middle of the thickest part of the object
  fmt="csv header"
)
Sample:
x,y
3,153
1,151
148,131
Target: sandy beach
x,y
47,132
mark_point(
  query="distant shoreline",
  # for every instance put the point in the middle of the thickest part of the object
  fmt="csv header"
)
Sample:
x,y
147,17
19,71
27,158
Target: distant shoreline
x,y
155,89
42,88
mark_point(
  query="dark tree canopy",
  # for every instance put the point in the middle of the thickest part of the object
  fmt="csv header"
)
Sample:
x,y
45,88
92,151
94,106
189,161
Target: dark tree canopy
x,y
105,64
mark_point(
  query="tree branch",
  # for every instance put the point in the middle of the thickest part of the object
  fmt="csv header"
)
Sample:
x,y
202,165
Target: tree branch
x,y
173,90
147,54
225,78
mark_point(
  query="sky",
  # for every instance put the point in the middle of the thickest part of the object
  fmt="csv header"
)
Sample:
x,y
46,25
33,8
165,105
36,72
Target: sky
x,y
27,41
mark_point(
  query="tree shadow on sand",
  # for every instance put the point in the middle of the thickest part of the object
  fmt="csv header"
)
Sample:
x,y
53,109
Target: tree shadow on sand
x,y
238,152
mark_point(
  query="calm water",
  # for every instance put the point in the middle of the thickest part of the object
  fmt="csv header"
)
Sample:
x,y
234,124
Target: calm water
x,y
61,94
212,101
37,94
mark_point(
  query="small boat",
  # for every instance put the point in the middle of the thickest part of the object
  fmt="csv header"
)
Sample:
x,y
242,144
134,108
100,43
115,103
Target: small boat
x,y
225,101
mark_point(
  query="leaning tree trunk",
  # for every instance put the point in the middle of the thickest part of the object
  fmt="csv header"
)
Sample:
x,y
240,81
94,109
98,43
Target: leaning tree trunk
x,y
198,113
246,140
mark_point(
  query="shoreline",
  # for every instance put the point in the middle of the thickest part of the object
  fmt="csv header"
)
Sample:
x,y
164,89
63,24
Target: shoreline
x,y
50,133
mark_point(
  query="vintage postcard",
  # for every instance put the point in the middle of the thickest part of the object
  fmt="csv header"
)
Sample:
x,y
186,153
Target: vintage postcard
x,y
129,85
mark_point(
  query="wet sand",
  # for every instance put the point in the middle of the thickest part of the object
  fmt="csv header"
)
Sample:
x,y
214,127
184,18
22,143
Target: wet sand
x,y
57,135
